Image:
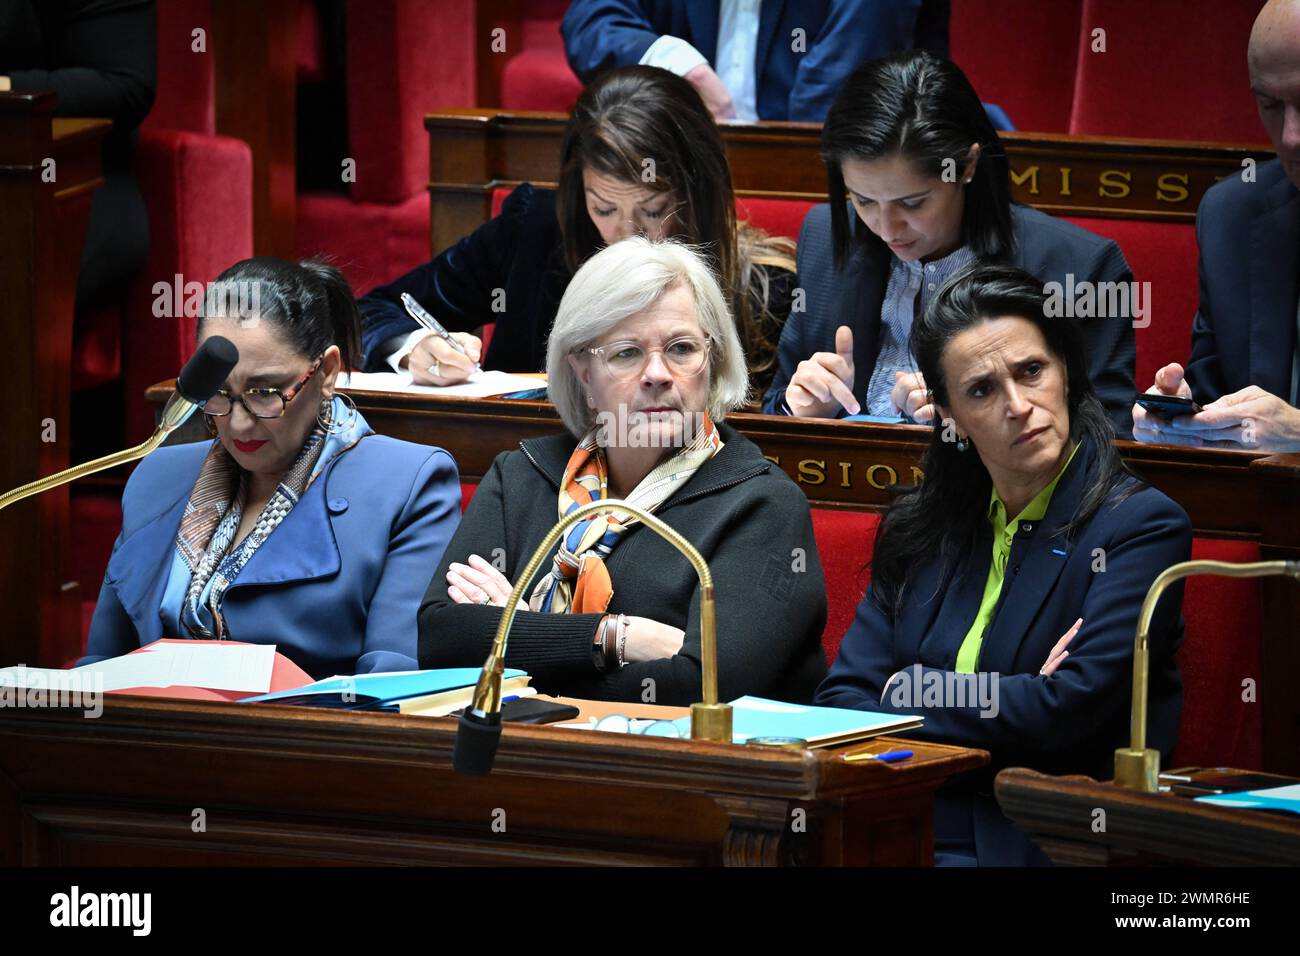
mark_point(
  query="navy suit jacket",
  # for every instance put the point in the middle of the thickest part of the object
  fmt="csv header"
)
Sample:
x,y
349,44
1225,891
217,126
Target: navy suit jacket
x,y
336,586
1244,333
839,35
1045,246
513,262
1072,721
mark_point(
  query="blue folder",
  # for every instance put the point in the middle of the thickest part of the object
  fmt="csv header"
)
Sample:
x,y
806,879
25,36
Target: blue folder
x,y
377,690
1271,798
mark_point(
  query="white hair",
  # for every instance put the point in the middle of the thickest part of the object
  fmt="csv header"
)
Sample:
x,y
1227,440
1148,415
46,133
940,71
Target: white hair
x,y
622,280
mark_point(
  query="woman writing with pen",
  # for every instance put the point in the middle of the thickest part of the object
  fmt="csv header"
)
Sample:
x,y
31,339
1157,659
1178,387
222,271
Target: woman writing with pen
x,y
640,155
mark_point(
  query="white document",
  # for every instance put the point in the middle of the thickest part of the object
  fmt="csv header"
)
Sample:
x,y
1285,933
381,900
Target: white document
x,y
238,667
479,385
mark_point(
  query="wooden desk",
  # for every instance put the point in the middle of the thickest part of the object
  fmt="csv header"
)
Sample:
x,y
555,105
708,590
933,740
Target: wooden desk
x,y
1141,828
851,465
44,210
288,786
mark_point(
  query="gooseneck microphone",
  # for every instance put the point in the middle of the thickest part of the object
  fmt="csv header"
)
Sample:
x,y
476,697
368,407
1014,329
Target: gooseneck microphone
x,y
197,382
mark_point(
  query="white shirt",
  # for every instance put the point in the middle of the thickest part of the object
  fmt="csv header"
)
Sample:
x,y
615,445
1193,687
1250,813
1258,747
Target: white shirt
x,y
737,48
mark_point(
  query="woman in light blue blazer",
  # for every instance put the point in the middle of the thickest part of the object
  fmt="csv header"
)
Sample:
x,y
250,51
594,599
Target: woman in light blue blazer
x,y
298,526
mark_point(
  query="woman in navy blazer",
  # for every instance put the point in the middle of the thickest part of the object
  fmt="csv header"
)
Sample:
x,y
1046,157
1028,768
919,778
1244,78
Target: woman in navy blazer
x,y
919,186
1048,622
297,526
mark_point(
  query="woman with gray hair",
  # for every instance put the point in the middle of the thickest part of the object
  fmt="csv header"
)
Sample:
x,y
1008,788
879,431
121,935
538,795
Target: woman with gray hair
x,y
644,364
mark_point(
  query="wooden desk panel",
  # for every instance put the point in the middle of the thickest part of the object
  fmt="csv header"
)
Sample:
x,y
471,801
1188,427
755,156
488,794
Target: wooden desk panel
x,y
49,170
282,785
1141,828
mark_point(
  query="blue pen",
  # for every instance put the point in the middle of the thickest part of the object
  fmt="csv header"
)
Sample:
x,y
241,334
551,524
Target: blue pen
x,y
889,756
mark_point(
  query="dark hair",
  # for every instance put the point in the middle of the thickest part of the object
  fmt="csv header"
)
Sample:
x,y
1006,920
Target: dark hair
x,y
922,107
942,515
311,302
638,113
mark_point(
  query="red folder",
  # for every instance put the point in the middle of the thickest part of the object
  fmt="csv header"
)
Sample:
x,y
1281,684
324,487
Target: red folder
x,y
285,675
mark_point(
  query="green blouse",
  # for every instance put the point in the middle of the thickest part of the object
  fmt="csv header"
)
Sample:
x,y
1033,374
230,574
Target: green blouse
x,y
1004,533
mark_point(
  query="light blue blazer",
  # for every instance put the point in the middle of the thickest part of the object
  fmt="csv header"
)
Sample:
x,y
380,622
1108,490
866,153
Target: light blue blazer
x,y
335,587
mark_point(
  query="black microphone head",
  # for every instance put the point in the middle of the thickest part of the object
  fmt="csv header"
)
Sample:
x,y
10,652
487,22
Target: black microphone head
x,y
476,744
207,369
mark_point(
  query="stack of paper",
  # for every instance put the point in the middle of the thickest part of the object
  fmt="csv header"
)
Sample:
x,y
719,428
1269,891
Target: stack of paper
x,y
479,385
214,666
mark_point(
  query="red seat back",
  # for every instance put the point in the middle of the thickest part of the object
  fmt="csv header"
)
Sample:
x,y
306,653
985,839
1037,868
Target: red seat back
x,y
845,540
1221,650
1164,254
405,58
185,97
1032,80
1171,70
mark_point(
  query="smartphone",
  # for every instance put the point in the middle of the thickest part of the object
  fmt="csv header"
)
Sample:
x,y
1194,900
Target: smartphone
x,y
1167,406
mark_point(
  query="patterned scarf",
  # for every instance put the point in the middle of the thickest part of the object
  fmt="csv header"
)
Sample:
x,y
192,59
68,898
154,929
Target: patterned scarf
x,y
579,582
211,520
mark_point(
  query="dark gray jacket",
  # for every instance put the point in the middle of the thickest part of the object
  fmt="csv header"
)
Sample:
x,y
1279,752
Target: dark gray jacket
x,y
1045,246
750,522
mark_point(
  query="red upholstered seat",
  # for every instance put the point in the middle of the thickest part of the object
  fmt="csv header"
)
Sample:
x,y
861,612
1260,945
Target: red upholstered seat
x,y
1032,77
371,242
1171,70
537,76
467,489
777,217
1221,650
405,58
1164,254
845,540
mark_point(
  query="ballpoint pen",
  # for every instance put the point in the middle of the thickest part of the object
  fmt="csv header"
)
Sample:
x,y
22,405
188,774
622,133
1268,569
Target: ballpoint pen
x,y
416,311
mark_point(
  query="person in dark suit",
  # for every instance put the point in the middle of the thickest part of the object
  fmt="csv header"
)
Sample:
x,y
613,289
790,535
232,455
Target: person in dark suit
x,y
640,155
1005,590
909,144
643,364
1245,363
100,57
298,526
779,60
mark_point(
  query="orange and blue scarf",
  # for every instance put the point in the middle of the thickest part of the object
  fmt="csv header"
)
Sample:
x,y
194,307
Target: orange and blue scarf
x,y
579,581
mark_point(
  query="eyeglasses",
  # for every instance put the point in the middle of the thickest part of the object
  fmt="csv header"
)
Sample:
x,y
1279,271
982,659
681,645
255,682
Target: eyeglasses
x,y
259,402
624,361
618,724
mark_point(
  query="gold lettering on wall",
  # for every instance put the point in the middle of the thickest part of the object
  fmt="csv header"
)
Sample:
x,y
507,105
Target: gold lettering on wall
x,y
1114,184
1168,188
1030,174
871,476
810,475
1065,181
844,473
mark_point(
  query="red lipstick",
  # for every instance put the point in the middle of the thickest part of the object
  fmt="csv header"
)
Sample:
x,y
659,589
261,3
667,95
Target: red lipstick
x,y
248,447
